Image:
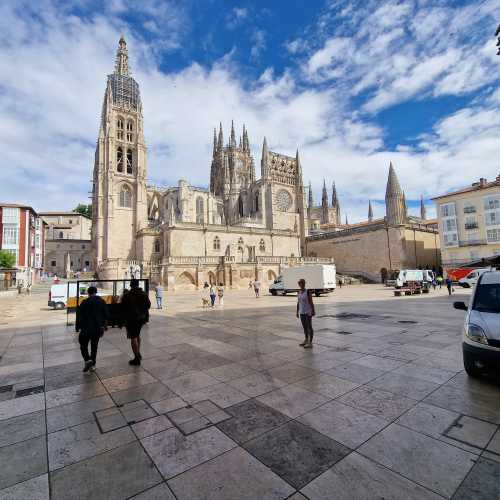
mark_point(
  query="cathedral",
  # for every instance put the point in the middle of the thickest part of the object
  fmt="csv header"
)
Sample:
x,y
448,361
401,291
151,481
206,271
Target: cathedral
x,y
241,228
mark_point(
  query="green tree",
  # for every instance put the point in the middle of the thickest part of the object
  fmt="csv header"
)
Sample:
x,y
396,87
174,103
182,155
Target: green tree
x,y
7,260
84,210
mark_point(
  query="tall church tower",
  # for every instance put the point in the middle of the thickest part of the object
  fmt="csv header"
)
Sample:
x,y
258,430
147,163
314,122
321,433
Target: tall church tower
x,y
395,205
119,200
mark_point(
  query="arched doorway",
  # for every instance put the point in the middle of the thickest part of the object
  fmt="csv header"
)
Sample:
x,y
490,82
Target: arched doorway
x,y
185,281
211,278
271,275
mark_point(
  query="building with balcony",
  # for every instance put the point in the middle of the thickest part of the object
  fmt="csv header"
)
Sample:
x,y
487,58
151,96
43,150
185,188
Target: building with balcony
x,y
68,243
22,233
469,223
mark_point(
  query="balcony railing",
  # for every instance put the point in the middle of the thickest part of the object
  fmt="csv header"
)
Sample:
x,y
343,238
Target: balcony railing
x,y
471,243
470,210
471,225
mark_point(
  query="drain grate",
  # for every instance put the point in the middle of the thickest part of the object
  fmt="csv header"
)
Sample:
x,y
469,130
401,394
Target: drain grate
x,y
342,332
408,322
346,316
29,391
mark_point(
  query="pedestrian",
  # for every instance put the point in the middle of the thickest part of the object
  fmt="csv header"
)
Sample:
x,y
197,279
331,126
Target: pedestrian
x,y
159,296
439,280
91,321
434,283
28,289
135,308
250,284
220,294
213,294
449,285
256,288
19,287
305,310
341,281
205,295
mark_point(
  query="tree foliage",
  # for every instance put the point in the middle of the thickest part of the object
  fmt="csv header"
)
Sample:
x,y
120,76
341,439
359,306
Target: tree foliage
x,y
84,210
7,260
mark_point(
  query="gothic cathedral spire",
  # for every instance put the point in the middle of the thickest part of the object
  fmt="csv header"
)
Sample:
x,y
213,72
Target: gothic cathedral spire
x,y
395,205
423,211
370,211
336,204
325,219
121,64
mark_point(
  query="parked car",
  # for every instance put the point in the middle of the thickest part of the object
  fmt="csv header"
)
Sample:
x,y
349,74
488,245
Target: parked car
x,y
481,331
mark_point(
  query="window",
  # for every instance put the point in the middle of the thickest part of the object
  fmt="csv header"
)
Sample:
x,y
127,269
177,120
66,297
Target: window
x,y
10,235
240,206
448,210
493,235
119,159
87,263
70,221
449,225
256,202
129,161
262,245
450,239
119,129
125,197
469,208
491,202
53,263
10,215
200,219
157,246
130,129
216,243
492,218
61,235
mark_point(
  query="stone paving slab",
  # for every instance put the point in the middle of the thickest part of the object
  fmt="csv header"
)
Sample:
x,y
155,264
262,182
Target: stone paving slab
x,y
377,409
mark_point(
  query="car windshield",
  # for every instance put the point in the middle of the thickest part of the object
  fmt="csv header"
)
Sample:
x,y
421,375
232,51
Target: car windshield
x,y
487,298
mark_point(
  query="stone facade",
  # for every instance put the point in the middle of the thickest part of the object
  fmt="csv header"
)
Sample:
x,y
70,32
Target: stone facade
x,y
378,247
241,228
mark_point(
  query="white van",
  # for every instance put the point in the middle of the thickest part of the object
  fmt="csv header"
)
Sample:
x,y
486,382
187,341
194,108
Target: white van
x,y
423,276
58,295
320,278
481,331
471,279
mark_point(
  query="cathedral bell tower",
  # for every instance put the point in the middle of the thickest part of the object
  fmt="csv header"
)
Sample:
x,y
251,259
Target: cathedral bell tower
x,y
119,201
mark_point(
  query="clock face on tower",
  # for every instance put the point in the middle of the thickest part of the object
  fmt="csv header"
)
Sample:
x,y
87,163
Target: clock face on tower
x,y
283,200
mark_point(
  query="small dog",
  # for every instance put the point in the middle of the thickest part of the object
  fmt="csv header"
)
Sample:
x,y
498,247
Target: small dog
x,y
205,303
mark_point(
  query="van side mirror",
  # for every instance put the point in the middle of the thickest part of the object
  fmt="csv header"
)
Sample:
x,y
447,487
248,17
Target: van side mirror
x,y
460,305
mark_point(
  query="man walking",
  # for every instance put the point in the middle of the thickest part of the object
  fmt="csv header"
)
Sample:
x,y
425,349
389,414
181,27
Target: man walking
x,y
91,317
256,288
305,310
449,285
135,307
159,296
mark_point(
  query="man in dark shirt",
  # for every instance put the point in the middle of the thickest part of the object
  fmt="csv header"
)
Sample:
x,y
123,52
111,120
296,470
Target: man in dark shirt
x,y
135,307
91,317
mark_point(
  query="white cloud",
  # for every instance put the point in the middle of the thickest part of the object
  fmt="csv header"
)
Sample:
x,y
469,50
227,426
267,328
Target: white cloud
x,y
52,78
258,39
236,17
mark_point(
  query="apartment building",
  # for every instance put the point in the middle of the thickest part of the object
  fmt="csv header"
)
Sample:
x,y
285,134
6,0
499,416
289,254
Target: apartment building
x,y
22,233
68,243
469,223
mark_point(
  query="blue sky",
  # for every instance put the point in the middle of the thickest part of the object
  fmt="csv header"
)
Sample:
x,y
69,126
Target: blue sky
x,y
352,84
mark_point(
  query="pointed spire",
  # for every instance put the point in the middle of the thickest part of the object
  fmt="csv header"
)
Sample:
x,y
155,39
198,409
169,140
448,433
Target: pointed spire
x,y
310,196
334,195
346,221
299,166
395,203
232,140
263,161
423,211
215,143
246,142
370,211
325,215
121,64
220,142
405,206
241,143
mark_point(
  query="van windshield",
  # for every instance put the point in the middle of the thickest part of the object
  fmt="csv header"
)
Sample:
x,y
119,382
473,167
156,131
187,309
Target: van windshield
x,y
487,298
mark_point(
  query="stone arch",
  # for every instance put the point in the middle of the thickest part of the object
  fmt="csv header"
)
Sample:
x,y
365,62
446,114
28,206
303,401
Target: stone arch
x,y
212,280
185,280
271,275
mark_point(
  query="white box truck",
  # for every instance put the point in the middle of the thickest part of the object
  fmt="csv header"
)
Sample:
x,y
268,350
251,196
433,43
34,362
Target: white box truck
x,y
320,278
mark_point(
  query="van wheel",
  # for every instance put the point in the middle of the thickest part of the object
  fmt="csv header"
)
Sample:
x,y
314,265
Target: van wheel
x,y
273,292
59,305
470,367
317,294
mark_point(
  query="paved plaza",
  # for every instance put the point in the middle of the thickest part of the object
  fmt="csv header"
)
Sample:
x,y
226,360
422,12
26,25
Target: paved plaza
x,y
227,406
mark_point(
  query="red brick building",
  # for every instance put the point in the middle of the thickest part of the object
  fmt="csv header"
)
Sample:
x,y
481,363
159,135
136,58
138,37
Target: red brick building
x,y
22,233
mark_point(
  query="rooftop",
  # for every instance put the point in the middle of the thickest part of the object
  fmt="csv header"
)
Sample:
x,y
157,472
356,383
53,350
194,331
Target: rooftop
x,y
475,186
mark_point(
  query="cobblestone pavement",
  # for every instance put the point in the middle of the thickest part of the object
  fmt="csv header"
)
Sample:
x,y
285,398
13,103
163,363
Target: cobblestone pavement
x,y
226,405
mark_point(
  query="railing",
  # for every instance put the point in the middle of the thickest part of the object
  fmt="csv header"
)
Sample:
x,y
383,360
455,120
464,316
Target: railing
x,y
471,225
470,243
470,210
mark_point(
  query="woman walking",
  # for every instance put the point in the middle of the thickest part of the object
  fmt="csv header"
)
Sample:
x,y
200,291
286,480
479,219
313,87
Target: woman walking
x,y
213,294
220,294
305,310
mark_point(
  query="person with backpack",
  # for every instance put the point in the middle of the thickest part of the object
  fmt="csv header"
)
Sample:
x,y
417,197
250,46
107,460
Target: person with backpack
x,y
305,310
135,308
91,321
